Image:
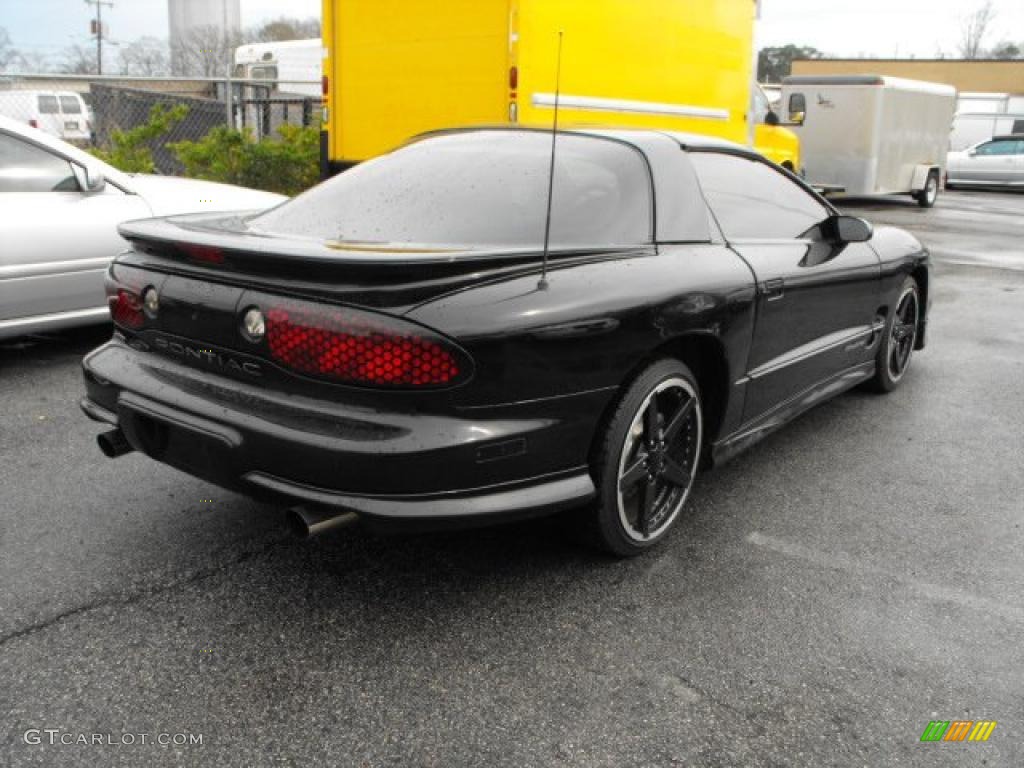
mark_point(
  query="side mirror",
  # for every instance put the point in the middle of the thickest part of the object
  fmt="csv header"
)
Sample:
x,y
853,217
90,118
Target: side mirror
x,y
90,178
797,108
771,118
848,229
972,152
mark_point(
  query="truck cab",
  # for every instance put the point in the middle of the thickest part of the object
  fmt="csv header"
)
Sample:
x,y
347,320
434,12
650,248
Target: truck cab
x,y
771,139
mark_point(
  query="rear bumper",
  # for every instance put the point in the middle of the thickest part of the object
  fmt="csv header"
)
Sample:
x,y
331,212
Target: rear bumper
x,y
524,461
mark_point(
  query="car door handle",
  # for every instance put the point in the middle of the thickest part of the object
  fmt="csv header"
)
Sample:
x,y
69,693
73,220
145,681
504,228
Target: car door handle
x,y
773,289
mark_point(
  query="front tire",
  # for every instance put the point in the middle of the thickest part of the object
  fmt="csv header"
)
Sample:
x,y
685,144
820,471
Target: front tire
x,y
647,459
897,344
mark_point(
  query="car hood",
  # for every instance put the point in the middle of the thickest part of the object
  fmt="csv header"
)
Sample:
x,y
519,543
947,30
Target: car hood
x,y
169,195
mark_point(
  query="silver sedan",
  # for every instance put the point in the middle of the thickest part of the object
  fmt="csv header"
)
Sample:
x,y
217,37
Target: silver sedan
x,y
996,162
59,211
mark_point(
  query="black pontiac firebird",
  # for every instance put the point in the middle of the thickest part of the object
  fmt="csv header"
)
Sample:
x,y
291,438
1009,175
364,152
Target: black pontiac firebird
x,y
388,344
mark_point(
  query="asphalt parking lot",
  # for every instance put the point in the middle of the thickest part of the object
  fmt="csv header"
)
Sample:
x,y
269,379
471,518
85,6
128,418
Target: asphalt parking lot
x,y
830,592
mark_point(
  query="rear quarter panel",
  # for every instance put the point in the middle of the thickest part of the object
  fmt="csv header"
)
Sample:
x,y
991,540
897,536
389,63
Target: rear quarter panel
x,y
596,324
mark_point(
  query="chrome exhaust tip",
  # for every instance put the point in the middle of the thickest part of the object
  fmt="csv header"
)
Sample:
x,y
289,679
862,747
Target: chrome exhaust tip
x,y
113,443
306,522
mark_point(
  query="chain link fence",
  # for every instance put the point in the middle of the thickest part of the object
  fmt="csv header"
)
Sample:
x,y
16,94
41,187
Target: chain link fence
x,y
88,110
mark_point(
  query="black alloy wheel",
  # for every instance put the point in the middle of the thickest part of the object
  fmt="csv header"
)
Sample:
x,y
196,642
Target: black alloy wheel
x,y
648,458
897,346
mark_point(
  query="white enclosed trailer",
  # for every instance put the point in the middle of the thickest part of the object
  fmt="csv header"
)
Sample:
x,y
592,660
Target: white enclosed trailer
x,y
872,135
290,66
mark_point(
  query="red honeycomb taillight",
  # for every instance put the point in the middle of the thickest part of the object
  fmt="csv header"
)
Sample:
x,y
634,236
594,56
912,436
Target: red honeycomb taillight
x,y
124,287
358,347
126,309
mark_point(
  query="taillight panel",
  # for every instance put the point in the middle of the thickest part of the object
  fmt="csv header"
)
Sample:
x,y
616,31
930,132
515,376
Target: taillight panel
x,y
358,347
316,340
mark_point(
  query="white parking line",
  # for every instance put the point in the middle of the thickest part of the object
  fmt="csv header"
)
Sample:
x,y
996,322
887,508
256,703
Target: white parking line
x,y
840,561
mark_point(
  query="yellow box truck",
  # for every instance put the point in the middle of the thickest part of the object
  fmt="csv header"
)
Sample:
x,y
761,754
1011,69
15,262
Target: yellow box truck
x,y
396,68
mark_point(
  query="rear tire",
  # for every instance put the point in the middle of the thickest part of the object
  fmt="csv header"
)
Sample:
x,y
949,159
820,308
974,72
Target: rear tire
x,y
896,346
647,459
926,197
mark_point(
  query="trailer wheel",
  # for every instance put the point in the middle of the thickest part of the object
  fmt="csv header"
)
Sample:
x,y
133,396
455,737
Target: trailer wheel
x,y
926,197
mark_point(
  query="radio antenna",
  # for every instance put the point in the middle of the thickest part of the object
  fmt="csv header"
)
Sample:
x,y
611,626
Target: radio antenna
x,y
543,284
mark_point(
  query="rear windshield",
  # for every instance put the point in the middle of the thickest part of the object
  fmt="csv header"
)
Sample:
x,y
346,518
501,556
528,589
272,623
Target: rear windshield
x,y
483,189
48,105
69,105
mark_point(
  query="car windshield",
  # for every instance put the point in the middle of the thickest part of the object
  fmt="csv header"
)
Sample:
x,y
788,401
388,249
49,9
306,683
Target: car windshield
x,y
479,190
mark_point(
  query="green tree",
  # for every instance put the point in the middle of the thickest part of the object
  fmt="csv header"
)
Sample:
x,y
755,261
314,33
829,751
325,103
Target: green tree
x,y
287,164
131,150
1008,50
9,55
773,64
284,28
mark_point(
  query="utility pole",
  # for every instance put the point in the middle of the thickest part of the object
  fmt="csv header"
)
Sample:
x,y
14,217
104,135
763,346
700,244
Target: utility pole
x,y
98,30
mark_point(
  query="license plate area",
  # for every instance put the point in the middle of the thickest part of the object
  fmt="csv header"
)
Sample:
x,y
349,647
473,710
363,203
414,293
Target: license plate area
x,y
189,442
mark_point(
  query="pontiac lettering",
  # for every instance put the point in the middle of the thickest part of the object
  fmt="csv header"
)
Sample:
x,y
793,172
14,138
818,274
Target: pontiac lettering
x,y
207,356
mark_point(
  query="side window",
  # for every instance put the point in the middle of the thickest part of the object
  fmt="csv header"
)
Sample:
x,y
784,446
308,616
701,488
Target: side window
x,y
70,105
751,199
264,73
997,148
25,167
48,104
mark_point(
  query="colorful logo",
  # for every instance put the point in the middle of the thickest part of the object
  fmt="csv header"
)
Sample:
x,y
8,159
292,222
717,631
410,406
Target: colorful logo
x,y
958,730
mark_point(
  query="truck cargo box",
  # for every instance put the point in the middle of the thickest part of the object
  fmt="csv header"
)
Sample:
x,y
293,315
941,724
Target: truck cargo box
x,y
398,68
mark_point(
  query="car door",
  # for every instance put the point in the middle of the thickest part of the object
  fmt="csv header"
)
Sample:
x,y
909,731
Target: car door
x,y
993,162
816,300
1018,166
55,240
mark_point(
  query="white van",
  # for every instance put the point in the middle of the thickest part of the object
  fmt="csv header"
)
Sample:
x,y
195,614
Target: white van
x,y
63,114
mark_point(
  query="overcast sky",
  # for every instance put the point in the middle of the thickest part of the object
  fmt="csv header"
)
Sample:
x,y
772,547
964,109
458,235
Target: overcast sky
x,y
840,27
882,28
48,26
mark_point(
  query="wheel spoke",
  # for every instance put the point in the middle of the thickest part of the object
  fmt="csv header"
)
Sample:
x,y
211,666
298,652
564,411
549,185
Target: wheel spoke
x,y
894,360
649,493
633,474
651,423
909,311
675,474
677,421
